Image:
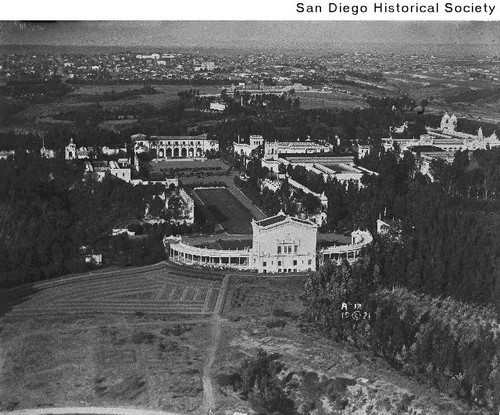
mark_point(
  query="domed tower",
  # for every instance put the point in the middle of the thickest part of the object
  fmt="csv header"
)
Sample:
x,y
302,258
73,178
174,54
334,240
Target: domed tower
x,y
271,149
452,123
70,151
444,121
480,135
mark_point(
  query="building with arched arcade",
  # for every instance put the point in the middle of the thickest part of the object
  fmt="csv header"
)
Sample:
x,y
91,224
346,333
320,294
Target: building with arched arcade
x,y
280,244
446,138
172,147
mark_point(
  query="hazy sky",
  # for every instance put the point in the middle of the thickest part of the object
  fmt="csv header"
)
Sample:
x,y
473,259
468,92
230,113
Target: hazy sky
x,y
248,33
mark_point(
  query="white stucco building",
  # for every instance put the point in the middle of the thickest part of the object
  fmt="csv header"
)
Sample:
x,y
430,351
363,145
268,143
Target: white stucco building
x,y
217,106
168,147
71,152
283,243
245,149
98,170
272,149
446,138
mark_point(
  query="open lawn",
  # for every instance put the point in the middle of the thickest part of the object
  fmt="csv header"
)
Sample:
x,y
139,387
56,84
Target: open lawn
x,y
132,336
166,90
157,167
161,289
227,210
264,296
311,100
55,357
105,361
334,378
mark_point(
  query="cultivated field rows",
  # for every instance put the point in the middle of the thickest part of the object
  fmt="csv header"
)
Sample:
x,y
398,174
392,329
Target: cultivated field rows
x,y
168,289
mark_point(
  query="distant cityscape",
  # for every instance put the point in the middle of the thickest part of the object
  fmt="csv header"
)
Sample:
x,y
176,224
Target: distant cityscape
x,y
270,69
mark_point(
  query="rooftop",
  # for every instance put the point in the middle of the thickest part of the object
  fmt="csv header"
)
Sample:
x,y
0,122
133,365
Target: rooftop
x,y
143,137
300,144
281,217
272,220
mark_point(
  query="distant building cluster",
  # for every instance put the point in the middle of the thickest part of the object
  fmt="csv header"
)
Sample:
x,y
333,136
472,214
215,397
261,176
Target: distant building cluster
x,y
314,157
273,149
218,106
72,152
447,138
98,170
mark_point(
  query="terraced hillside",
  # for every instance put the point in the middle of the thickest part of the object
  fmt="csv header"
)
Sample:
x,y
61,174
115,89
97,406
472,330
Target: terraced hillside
x,y
163,288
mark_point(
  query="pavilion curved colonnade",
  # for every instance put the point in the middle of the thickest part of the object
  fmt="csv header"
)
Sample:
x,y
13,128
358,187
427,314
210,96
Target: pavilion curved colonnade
x,y
350,252
182,253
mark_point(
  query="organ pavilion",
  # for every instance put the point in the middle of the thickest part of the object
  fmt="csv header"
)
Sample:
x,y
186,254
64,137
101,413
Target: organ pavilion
x,y
280,244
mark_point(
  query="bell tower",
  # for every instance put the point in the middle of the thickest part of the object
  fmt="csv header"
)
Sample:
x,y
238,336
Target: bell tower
x,y
70,151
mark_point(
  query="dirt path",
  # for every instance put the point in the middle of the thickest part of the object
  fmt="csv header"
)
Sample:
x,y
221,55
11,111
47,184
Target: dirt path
x,y
208,405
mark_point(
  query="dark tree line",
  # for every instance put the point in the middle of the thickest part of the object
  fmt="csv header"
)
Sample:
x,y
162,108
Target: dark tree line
x,y
471,175
440,341
258,380
49,214
431,285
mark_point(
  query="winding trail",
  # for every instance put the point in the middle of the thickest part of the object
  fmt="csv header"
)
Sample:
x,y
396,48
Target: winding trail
x,y
208,405
209,401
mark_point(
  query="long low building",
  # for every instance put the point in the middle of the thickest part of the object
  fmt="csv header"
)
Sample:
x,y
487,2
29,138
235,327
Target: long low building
x,y
341,168
350,252
445,137
273,149
168,147
280,244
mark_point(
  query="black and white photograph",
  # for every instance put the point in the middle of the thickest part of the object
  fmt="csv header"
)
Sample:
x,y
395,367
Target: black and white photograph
x,y
251,217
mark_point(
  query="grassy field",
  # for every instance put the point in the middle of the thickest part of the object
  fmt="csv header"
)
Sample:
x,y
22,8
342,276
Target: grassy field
x,y
86,94
104,361
311,100
57,357
229,211
167,90
156,167
166,94
160,289
264,296
131,336
264,314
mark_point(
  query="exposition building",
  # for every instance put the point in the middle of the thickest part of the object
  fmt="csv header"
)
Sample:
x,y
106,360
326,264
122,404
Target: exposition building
x,y
169,147
446,138
280,244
